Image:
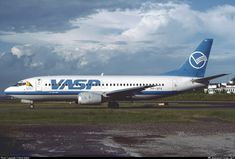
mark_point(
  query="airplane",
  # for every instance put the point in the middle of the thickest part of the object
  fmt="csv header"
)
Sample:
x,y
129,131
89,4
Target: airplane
x,y
89,90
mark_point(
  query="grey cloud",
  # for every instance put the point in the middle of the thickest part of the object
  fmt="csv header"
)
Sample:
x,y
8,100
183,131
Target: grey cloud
x,y
145,42
120,43
12,70
15,69
53,15
88,41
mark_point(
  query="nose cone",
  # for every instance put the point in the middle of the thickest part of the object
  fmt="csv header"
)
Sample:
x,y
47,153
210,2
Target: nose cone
x,y
6,91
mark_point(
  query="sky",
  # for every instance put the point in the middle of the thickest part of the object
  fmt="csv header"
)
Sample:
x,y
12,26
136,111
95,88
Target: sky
x,y
114,37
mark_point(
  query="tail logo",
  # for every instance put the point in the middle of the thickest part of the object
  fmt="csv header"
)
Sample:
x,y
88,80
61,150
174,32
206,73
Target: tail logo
x,y
197,60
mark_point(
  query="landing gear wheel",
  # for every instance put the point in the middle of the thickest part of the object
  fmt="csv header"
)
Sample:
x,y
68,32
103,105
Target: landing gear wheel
x,y
162,104
113,104
31,106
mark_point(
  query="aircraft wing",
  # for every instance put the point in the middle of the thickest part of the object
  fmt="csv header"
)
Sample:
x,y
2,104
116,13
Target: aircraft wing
x,y
207,79
127,91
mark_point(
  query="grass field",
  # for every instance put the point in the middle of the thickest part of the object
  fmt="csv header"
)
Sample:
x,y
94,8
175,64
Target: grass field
x,y
201,96
14,112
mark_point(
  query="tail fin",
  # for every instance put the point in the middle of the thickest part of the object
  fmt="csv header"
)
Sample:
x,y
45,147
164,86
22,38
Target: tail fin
x,y
195,65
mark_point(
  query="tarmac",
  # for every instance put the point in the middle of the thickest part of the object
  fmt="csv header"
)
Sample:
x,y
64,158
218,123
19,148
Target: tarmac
x,y
203,139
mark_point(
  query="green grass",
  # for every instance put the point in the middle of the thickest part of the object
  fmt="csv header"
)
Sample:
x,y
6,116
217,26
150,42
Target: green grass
x,y
201,96
64,113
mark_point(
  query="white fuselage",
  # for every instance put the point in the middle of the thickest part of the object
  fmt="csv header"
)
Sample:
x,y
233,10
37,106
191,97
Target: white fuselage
x,y
67,88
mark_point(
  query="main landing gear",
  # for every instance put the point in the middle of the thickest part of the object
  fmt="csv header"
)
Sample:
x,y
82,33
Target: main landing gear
x,y
31,106
113,104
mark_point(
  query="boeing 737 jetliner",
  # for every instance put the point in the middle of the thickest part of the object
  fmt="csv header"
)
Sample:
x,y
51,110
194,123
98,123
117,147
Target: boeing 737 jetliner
x,y
111,89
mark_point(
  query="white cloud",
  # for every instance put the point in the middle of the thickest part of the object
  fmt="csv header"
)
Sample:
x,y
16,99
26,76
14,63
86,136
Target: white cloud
x,y
161,25
220,21
36,64
16,51
22,50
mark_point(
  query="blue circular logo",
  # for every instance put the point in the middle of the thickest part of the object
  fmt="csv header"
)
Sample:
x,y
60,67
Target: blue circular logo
x,y
197,60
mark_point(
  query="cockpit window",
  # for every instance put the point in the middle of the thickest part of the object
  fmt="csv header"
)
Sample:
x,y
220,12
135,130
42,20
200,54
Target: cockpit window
x,y
24,83
21,83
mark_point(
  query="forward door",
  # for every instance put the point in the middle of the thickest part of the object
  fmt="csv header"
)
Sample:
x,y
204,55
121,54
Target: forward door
x,y
39,84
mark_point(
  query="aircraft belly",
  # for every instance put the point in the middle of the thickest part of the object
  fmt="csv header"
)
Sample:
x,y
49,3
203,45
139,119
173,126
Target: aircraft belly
x,y
146,96
46,97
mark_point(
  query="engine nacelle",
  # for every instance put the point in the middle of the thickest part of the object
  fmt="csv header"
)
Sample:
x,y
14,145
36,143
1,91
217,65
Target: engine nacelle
x,y
89,98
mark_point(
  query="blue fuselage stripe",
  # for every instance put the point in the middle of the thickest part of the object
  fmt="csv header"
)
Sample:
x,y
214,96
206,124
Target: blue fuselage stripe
x,y
77,92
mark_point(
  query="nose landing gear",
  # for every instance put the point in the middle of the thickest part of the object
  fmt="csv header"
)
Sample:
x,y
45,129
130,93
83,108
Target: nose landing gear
x,y
31,106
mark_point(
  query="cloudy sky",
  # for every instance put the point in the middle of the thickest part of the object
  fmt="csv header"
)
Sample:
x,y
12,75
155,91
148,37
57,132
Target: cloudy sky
x,y
135,37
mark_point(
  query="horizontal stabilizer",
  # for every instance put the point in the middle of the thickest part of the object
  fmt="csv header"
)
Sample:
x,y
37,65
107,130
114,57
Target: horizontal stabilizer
x,y
207,79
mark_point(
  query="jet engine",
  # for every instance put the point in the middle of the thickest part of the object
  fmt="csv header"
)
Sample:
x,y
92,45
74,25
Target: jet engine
x,y
89,98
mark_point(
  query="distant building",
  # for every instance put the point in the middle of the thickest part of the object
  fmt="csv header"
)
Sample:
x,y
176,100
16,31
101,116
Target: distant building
x,y
228,88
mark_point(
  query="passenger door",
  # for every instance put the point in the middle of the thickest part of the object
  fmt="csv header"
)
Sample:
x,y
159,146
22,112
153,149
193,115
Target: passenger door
x,y
39,84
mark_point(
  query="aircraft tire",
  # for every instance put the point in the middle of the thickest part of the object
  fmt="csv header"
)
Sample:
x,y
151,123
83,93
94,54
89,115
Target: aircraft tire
x,y
31,106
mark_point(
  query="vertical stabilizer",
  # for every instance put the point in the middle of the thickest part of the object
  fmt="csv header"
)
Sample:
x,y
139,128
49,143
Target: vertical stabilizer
x,y
195,65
